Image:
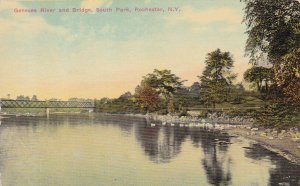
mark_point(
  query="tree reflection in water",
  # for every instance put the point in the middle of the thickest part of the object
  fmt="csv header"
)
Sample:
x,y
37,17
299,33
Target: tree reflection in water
x,y
216,161
282,172
162,144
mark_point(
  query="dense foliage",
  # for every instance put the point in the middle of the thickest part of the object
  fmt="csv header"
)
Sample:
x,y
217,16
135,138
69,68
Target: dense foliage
x,y
276,34
217,77
272,27
261,76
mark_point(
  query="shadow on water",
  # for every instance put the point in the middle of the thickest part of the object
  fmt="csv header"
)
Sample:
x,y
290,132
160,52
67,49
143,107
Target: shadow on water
x,y
216,161
283,172
161,144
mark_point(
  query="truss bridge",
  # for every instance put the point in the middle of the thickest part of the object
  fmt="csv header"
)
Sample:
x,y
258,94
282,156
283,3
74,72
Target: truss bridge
x,y
45,104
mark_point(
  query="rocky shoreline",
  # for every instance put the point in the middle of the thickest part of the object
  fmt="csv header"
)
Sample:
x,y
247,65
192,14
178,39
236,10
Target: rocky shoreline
x,y
285,143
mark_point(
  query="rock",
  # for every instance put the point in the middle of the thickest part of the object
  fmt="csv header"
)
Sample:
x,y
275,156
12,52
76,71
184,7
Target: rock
x,y
247,147
268,130
271,138
284,184
263,134
298,148
253,133
295,139
223,142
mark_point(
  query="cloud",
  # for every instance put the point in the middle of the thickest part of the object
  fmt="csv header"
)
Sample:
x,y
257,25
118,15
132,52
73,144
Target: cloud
x,y
147,1
95,3
26,24
200,29
230,29
32,26
200,19
108,29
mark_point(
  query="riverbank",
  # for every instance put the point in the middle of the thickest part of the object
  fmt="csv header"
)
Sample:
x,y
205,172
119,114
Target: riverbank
x,y
285,143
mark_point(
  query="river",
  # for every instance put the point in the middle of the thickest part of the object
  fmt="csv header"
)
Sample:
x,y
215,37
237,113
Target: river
x,y
96,149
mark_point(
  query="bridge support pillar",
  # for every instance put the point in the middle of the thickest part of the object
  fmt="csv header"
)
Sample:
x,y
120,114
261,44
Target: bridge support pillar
x,y
47,112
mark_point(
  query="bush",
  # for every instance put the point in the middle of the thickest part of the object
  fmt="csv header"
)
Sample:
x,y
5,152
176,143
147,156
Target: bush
x,y
162,112
276,115
203,113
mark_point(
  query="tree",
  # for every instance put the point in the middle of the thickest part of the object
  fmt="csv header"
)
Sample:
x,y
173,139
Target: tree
x,y
274,32
34,98
171,106
147,97
261,76
53,99
288,76
217,77
163,81
126,95
195,87
238,93
105,100
22,97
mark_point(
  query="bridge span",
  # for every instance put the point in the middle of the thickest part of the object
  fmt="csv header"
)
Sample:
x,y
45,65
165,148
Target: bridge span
x,y
46,104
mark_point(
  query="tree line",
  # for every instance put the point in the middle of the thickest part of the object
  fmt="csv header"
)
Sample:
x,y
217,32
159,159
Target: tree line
x,y
163,92
273,48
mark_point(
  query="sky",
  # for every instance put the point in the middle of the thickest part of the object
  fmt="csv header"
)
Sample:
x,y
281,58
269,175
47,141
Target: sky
x,y
94,55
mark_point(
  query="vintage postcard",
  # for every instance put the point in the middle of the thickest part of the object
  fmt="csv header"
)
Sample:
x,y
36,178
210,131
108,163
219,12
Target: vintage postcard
x,y
149,92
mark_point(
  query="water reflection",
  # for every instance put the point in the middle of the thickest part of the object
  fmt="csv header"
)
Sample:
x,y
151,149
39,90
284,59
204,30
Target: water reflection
x,y
161,144
216,161
129,146
282,172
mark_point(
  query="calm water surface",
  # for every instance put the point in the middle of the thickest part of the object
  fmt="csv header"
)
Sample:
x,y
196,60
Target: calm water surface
x,y
117,150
